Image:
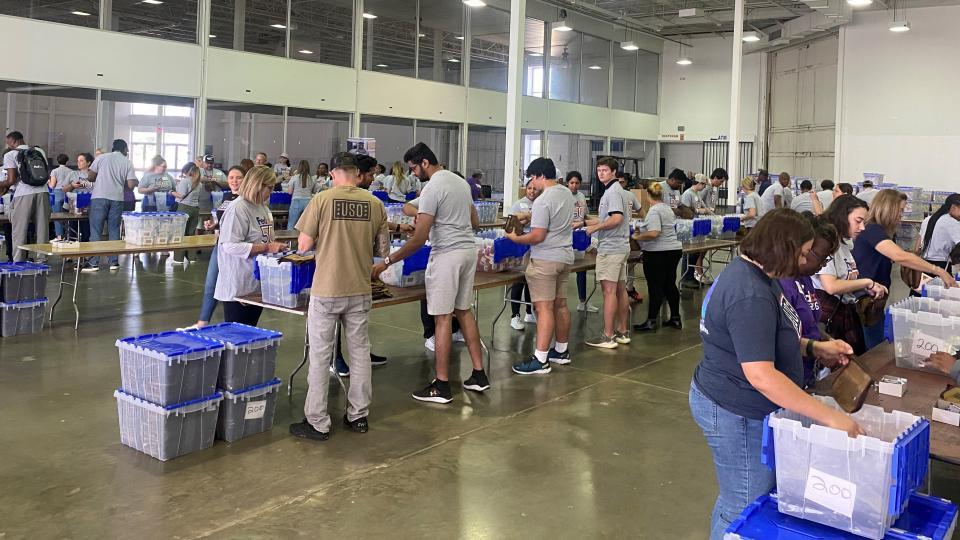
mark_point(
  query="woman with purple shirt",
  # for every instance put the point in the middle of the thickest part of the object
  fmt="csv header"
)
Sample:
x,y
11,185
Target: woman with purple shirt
x,y
800,291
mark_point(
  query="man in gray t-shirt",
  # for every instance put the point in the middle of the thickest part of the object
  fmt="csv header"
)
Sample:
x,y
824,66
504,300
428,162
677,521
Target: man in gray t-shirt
x,y
109,173
30,203
447,216
551,255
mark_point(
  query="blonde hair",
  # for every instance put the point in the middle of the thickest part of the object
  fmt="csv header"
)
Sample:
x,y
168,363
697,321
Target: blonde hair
x,y
885,210
157,161
257,178
655,190
397,171
748,183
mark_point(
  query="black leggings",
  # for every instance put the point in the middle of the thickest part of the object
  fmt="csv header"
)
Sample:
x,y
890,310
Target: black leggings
x,y
516,291
429,323
241,313
660,269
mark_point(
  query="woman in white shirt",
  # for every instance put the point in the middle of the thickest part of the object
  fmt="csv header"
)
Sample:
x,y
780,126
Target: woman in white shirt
x,y
752,206
397,183
522,210
282,168
302,187
940,233
574,179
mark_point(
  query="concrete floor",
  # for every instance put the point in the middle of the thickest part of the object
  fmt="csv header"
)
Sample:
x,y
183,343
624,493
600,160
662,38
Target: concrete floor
x,y
604,447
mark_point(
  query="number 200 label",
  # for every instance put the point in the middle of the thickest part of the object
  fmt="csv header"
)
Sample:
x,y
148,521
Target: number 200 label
x,y
831,492
255,410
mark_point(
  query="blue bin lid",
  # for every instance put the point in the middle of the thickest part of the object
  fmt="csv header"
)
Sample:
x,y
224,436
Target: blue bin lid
x,y
264,388
24,303
236,333
173,343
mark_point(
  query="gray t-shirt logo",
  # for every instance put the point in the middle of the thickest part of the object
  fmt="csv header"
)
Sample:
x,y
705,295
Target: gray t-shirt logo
x,y
345,210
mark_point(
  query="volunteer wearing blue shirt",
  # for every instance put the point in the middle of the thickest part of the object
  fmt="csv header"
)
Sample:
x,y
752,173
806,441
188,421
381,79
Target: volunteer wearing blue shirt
x,y
752,361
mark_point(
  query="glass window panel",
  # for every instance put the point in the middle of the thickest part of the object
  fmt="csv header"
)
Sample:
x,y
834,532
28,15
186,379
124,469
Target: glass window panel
x,y
394,136
533,59
172,110
624,78
316,135
389,39
75,12
532,145
595,71
235,131
137,119
223,25
322,32
60,119
489,48
443,139
264,26
441,53
485,153
565,65
175,20
648,79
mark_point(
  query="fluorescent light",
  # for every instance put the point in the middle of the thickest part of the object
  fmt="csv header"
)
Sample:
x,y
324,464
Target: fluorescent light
x,y
859,3
535,54
474,3
212,36
453,61
460,38
629,46
561,26
595,67
382,65
80,13
369,16
900,26
305,51
152,2
421,35
751,37
685,61
280,26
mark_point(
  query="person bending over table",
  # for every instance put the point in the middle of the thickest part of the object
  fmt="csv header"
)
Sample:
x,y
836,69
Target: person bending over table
x,y
752,363
347,226
246,231
188,202
551,256
447,216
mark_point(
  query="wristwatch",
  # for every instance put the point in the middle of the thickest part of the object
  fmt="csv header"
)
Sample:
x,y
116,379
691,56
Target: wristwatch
x,y
810,352
387,261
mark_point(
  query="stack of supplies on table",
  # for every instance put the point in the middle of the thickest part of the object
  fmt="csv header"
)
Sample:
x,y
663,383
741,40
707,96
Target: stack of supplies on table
x,y
179,389
22,297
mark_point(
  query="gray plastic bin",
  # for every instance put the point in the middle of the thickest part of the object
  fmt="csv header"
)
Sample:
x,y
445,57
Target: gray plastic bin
x,y
20,318
170,367
167,432
22,281
248,411
249,357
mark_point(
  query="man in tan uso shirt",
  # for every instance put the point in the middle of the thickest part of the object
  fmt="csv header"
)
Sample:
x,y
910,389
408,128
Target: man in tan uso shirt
x,y
348,226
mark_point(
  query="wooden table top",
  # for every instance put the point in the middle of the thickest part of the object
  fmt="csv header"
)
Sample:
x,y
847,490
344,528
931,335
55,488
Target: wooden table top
x,y
923,389
120,247
55,216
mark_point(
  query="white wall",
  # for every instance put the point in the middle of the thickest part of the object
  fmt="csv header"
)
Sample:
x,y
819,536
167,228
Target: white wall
x,y
899,110
698,96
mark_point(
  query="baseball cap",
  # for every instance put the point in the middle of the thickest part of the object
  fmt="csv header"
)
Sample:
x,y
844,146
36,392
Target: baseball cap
x,y
700,178
284,154
208,158
345,160
366,163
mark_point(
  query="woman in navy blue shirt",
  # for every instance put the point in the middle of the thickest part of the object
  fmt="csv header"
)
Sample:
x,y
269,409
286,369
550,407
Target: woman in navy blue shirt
x,y
875,252
752,366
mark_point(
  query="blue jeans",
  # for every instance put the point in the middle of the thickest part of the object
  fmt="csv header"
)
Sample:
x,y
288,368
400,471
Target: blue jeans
x,y
209,286
582,286
735,442
58,198
297,206
105,211
873,335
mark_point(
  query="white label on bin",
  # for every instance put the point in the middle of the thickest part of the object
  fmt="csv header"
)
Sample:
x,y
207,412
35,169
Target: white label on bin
x,y
924,345
255,410
831,492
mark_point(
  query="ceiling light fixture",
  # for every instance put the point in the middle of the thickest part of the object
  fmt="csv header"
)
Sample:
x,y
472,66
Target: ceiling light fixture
x,y
421,35
629,46
279,26
900,26
152,2
305,51
454,61
460,38
859,3
369,16
382,65
80,13
684,60
561,24
213,36
474,3
595,67
534,53
751,37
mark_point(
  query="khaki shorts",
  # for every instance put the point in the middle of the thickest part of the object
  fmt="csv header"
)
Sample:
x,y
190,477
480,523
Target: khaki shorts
x,y
547,280
612,267
449,281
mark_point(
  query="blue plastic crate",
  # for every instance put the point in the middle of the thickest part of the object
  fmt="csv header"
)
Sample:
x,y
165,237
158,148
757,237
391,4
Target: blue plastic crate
x,y
926,517
731,224
411,196
279,198
416,262
504,248
581,240
169,367
83,200
382,195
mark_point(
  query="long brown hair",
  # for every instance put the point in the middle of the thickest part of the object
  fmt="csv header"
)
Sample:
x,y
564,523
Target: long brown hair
x,y
303,169
885,210
775,242
194,173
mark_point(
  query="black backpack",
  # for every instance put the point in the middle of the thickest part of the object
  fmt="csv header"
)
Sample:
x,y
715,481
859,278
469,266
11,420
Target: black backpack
x,y
32,167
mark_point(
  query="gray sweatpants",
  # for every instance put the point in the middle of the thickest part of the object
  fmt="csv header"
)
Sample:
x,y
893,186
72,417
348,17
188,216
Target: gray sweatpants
x,y
29,208
353,313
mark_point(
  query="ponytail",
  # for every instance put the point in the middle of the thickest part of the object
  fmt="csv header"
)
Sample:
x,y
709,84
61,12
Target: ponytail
x,y
952,200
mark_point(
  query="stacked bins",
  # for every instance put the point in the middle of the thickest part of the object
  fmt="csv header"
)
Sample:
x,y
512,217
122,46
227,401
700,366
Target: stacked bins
x,y
247,411
859,485
284,283
154,228
167,402
22,298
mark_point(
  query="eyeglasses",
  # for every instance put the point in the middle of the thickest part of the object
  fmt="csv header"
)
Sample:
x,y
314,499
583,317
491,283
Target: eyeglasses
x,y
823,260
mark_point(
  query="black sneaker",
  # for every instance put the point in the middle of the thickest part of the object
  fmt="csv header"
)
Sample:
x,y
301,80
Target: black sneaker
x,y
360,425
648,326
434,394
305,431
674,322
377,360
690,284
477,382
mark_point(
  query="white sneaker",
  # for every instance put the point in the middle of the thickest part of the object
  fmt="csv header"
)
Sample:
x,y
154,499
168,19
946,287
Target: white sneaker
x,y
530,318
178,263
517,323
458,337
588,308
430,344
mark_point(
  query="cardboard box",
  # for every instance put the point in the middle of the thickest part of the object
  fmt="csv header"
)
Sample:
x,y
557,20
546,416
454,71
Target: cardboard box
x,y
893,386
945,412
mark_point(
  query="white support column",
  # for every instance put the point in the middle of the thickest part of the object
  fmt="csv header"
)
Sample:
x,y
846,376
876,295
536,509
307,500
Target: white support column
x,y
465,80
239,21
514,150
357,66
733,151
11,119
200,111
838,119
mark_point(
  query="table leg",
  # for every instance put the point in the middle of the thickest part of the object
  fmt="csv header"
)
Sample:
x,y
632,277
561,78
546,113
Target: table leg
x,y
76,309
586,313
63,269
493,325
303,362
476,303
